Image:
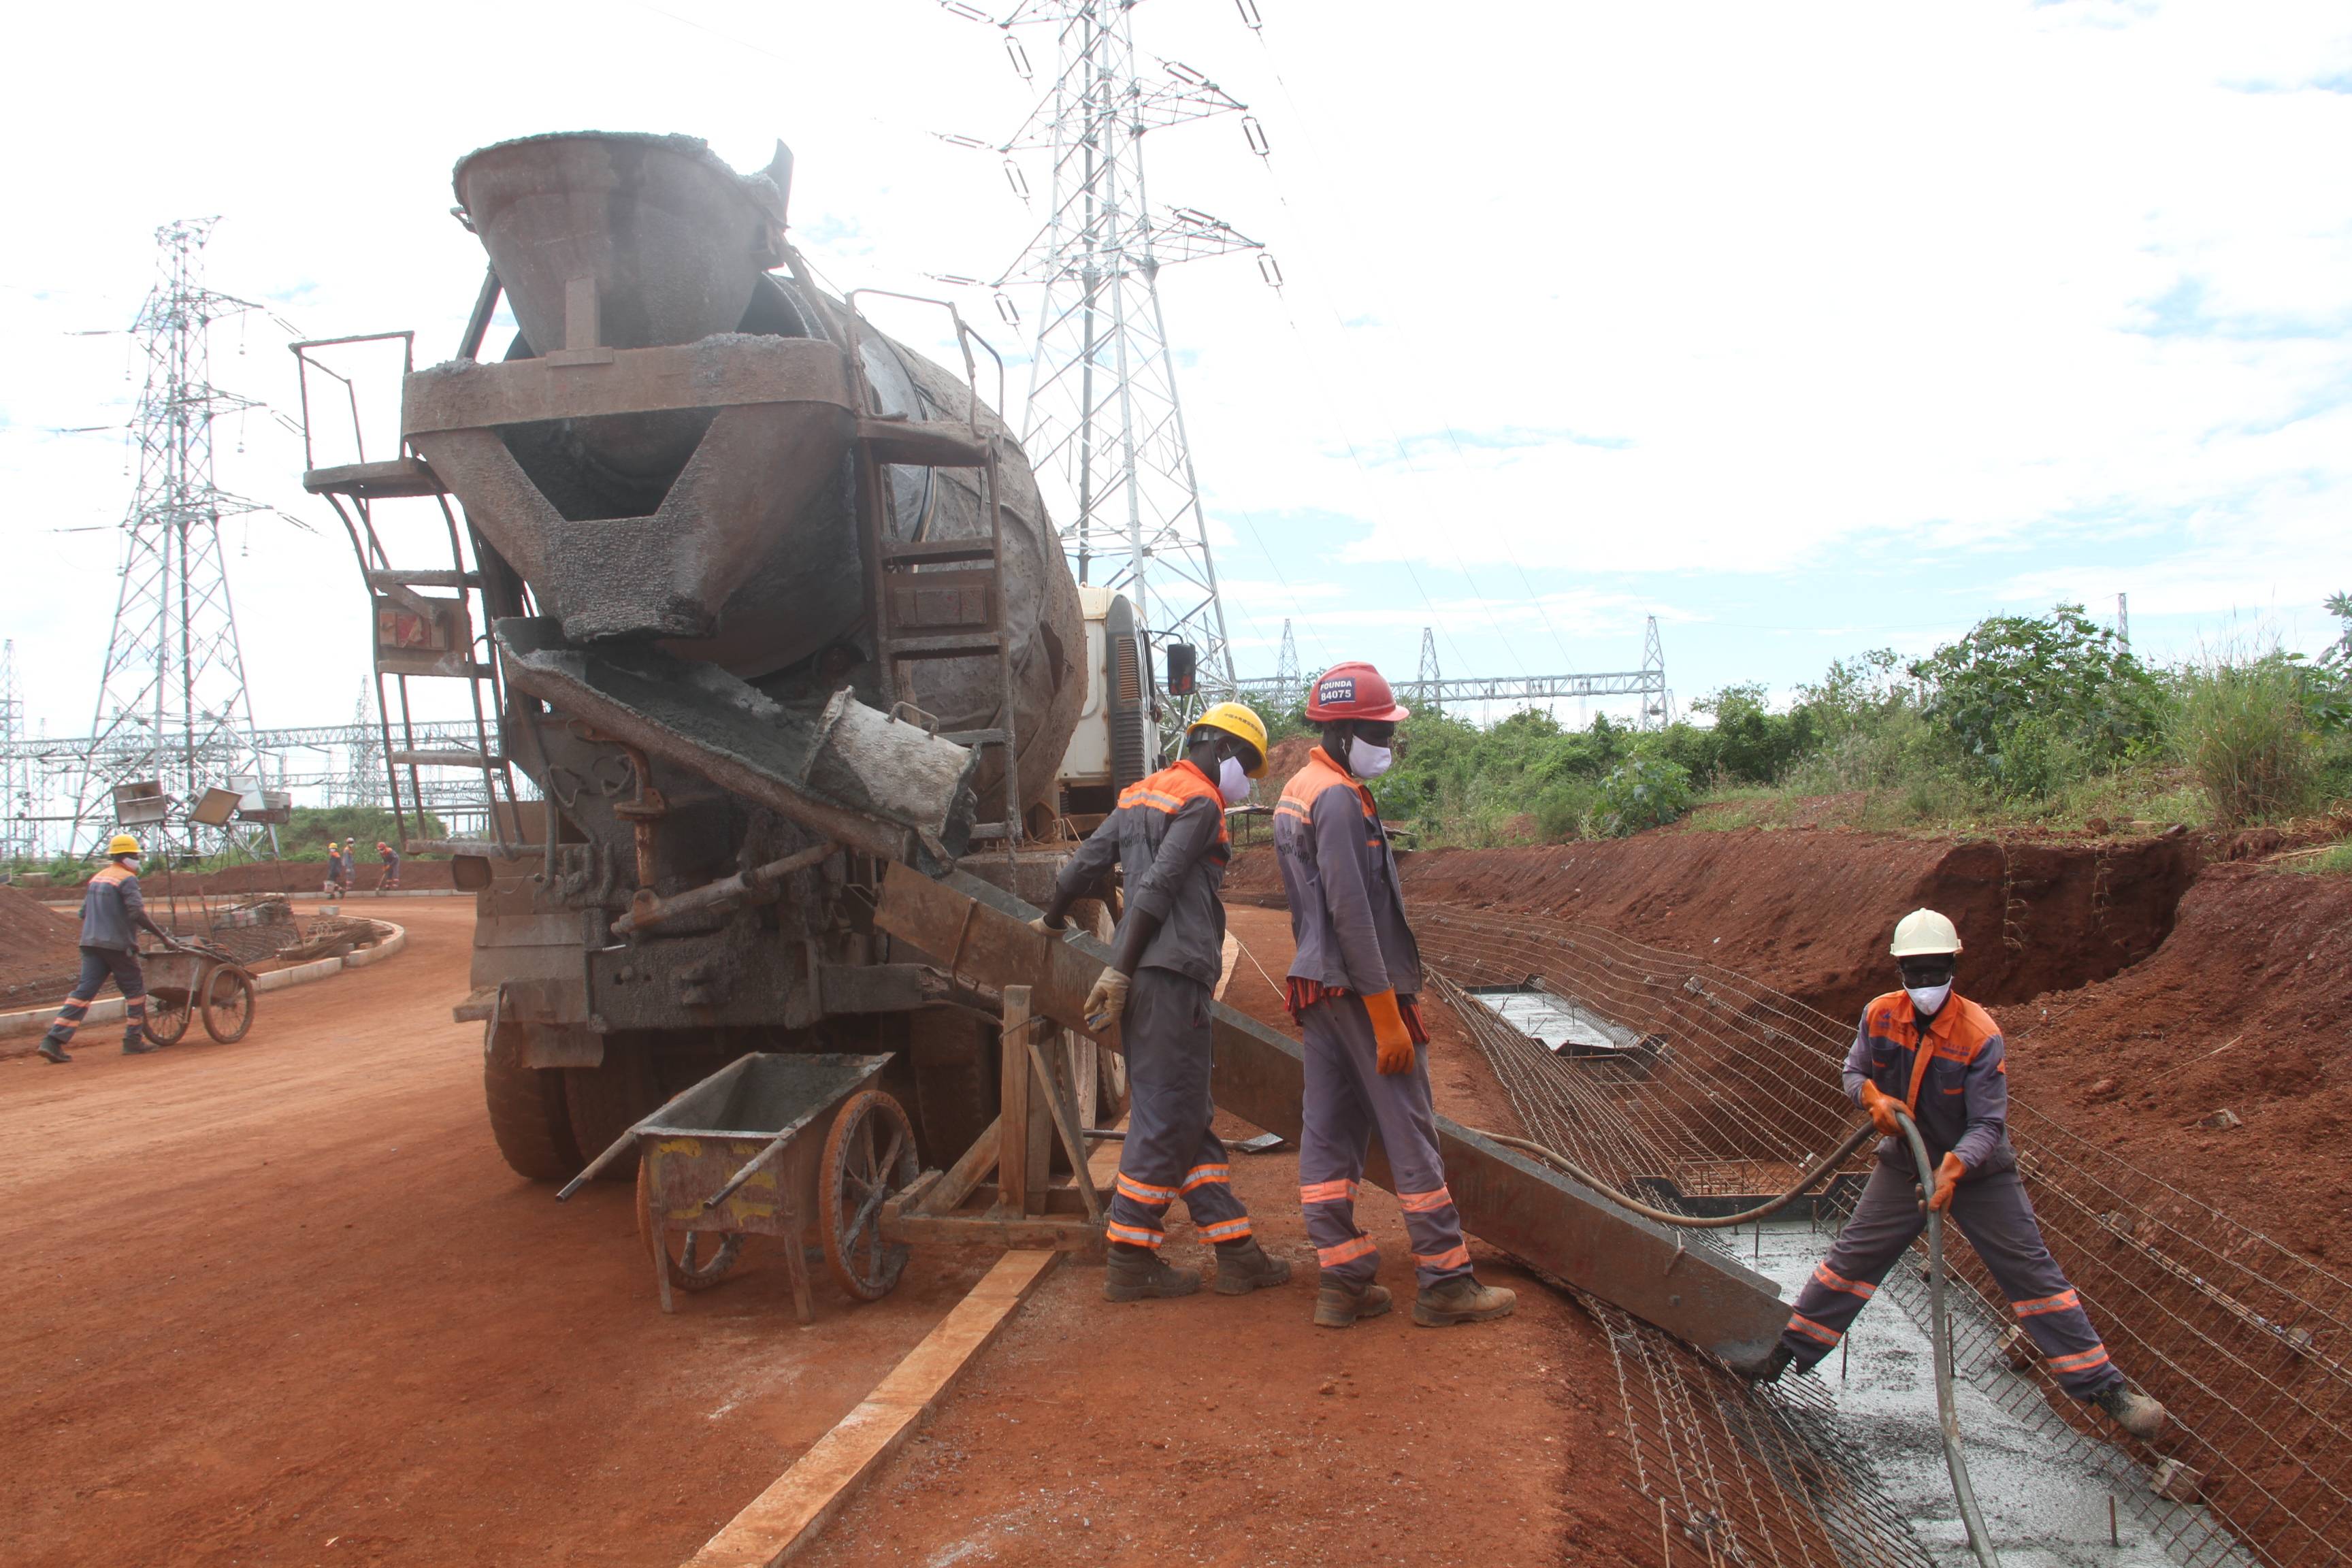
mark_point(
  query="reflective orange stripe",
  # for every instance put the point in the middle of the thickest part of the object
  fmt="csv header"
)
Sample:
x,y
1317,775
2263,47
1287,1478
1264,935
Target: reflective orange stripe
x,y
1172,788
1226,1229
2082,1361
1327,1192
1134,1235
2063,1301
1840,1282
1144,1191
1457,1257
1346,1252
1811,1330
1201,1176
1425,1202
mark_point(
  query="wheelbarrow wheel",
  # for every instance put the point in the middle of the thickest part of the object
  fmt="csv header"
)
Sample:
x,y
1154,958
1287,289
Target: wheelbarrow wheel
x,y
696,1259
167,1019
868,1155
228,1005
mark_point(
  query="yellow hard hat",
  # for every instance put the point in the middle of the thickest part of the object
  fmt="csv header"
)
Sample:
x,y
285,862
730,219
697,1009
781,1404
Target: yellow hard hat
x,y
1238,719
121,844
1924,931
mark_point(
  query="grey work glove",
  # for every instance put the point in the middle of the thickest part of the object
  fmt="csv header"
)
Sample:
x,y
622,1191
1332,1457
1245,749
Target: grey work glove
x,y
1060,932
1107,1003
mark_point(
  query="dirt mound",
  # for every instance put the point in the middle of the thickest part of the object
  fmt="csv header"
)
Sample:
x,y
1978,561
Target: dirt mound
x,y
2242,1009
1810,913
38,953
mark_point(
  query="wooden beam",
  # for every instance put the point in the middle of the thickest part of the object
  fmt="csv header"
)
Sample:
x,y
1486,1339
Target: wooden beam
x,y
1012,1181
786,1517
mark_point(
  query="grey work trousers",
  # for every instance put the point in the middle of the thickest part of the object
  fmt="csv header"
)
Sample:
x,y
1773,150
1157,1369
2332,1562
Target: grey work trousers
x,y
99,964
1347,1098
1993,1212
1172,1150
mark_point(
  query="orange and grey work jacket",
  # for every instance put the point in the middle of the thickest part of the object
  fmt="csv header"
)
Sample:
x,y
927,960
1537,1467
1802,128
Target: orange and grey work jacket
x,y
1956,1086
1169,839
113,909
1346,910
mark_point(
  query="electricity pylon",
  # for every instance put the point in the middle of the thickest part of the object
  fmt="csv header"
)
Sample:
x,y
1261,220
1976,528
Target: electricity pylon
x,y
1103,423
172,706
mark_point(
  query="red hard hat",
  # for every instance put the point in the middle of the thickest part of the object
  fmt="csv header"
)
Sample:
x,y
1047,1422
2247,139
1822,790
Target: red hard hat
x,y
1354,690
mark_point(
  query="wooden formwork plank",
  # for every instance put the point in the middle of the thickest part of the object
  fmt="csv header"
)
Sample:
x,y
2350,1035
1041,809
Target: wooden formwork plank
x,y
786,1517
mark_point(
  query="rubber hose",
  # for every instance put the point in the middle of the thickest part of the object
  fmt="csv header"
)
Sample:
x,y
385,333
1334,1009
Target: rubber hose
x,y
1821,1167
1947,1419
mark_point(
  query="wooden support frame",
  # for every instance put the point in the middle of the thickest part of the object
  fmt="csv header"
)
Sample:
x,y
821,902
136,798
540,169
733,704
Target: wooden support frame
x,y
1022,1209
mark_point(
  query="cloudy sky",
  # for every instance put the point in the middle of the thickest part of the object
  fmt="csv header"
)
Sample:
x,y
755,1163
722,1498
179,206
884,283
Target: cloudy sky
x,y
1807,329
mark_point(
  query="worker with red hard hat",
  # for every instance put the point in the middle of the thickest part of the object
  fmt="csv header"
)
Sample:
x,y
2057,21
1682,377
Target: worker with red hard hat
x,y
1933,1055
1352,989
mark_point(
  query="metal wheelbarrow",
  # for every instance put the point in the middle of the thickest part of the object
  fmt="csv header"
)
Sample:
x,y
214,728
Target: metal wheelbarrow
x,y
192,977
772,1145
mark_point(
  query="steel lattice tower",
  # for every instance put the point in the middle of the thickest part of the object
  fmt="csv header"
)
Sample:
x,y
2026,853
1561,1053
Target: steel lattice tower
x,y
172,705
18,838
1103,420
1289,689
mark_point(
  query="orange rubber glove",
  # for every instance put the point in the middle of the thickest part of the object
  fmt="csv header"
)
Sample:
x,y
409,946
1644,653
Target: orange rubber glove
x,y
1389,1034
1949,1175
1882,1107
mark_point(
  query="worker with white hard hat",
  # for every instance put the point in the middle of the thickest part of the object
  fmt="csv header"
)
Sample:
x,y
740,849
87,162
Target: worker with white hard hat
x,y
1930,1053
113,915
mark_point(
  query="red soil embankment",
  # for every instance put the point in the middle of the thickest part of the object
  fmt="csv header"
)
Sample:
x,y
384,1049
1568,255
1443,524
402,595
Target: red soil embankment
x,y
38,953
1812,912
2246,1007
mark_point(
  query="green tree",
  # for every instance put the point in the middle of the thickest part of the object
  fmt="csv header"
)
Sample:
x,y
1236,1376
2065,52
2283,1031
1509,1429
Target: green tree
x,y
2037,699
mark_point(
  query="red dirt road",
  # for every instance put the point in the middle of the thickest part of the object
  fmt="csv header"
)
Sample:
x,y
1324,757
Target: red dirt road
x,y
281,1302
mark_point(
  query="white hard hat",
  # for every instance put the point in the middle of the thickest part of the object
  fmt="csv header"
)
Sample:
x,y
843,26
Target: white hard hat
x,y
1924,931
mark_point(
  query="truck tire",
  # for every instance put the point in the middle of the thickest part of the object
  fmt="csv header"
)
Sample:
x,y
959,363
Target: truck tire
x,y
954,1054
605,1102
528,1114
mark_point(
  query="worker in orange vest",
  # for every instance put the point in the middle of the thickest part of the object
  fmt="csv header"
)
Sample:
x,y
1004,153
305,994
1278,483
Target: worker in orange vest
x,y
1353,984
1169,837
1932,1054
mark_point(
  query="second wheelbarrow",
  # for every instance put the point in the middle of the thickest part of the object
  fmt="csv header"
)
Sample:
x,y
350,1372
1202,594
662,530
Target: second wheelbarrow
x,y
772,1144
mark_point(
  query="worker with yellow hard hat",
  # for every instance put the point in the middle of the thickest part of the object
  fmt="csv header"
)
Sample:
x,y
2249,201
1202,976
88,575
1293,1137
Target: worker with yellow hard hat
x,y
1168,835
113,915
1931,1054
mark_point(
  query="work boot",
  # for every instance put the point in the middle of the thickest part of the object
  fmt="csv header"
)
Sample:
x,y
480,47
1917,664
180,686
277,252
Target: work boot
x,y
2130,1409
53,1049
1338,1304
1136,1274
1462,1299
137,1045
1243,1266
1766,1368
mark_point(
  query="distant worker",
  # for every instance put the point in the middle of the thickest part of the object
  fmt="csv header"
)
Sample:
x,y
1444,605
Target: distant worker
x,y
333,886
113,913
1168,835
391,859
1353,986
1932,1053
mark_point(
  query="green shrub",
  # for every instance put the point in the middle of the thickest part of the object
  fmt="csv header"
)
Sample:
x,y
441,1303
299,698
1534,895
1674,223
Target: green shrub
x,y
1646,790
2038,701
2245,732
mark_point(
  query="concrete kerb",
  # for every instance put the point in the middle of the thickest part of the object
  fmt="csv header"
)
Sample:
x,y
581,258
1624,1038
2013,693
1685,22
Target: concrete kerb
x,y
109,1009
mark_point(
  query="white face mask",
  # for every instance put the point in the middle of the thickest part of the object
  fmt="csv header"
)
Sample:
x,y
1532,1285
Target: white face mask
x,y
1928,999
1368,762
1233,780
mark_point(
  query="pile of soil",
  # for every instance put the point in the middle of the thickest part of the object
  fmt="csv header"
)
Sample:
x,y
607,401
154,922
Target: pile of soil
x,y
39,956
1810,914
2244,1009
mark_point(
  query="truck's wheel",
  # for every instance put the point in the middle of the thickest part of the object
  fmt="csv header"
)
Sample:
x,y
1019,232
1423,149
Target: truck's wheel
x,y
528,1114
606,1101
955,1059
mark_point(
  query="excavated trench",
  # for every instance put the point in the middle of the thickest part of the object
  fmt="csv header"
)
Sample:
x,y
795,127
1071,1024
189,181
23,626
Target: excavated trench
x,y
1698,1082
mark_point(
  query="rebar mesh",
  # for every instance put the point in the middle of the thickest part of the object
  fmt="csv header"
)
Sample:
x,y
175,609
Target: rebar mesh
x,y
1737,1087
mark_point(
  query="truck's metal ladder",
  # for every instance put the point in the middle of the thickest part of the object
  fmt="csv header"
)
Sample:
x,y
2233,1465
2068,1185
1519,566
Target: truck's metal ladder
x,y
932,598
415,636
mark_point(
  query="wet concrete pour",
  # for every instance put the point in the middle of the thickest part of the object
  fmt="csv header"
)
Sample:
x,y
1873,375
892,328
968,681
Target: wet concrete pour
x,y
2041,1507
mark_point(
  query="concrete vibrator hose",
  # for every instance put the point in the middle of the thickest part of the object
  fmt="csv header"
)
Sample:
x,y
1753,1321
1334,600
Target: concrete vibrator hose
x,y
1947,1419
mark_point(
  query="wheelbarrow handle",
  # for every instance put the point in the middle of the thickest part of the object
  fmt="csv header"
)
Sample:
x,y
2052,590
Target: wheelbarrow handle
x,y
750,1166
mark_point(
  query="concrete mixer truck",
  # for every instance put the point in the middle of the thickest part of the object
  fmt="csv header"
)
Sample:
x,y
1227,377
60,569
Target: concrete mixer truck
x,y
773,604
